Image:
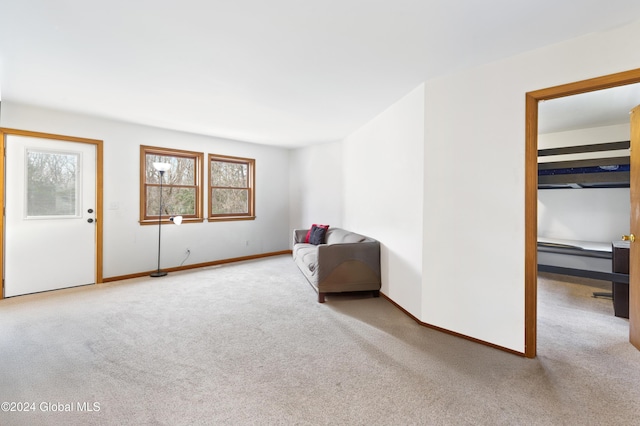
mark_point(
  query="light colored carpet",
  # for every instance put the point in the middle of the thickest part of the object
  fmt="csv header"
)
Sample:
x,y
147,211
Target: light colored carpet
x,y
247,343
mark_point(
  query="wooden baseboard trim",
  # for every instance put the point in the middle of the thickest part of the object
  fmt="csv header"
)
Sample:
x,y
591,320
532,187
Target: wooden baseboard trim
x,y
198,265
452,333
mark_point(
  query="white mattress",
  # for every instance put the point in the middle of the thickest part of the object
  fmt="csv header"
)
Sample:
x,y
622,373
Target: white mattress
x,y
584,245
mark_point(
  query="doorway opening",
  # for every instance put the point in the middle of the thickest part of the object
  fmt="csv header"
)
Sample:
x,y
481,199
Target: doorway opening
x,y
531,184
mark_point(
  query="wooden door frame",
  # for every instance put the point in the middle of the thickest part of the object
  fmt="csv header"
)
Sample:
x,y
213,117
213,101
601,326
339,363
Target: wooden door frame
x,y
99,182
634,184
531,186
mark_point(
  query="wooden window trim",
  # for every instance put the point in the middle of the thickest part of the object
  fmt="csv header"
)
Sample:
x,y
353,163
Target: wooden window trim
x,y
198,174
251,165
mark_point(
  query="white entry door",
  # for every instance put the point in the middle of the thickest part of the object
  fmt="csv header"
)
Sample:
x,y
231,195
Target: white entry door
x,y
50,199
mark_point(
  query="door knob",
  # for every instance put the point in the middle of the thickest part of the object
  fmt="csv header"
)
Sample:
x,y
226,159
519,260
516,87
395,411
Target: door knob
x,y
90,220
629,237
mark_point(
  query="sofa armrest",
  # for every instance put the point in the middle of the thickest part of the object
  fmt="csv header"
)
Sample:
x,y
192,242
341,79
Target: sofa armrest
x,y
331,256
299,235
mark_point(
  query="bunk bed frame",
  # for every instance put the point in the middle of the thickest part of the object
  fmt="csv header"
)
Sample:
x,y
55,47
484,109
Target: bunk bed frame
x,y
578,261
612,172
582,259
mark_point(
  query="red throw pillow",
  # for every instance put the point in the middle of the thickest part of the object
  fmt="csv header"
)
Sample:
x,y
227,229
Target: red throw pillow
x,y
306,239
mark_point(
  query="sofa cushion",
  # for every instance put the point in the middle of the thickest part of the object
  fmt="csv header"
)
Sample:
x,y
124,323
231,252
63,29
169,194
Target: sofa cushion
x,y
353,238
308,255
317,235
337,236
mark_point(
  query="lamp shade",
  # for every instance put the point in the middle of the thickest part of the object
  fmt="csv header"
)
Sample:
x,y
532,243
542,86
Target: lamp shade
x,y
176,219
161,167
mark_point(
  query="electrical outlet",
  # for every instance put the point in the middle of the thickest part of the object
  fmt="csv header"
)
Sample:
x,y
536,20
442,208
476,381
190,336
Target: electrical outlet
x,y
246,243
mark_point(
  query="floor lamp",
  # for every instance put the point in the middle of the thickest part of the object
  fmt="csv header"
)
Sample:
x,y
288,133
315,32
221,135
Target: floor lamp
x,y
161,168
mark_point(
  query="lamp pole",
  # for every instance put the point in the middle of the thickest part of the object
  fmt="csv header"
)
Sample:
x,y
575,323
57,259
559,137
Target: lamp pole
x,y
161,168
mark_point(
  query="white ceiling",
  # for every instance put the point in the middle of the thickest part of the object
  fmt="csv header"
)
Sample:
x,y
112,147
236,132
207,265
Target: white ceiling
x,y
280,72
592,109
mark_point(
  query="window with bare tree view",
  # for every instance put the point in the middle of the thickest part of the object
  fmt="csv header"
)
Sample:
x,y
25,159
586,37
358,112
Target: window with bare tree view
x,y
231,188
181,185
52,183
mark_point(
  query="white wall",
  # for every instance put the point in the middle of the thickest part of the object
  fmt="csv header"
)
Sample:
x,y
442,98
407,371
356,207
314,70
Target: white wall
x,y
316,185
473,281
600,215
130,248
383,193
613,133
584,214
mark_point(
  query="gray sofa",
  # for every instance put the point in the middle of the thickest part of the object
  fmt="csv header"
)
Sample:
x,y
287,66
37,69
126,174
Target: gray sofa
x,y
346,262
